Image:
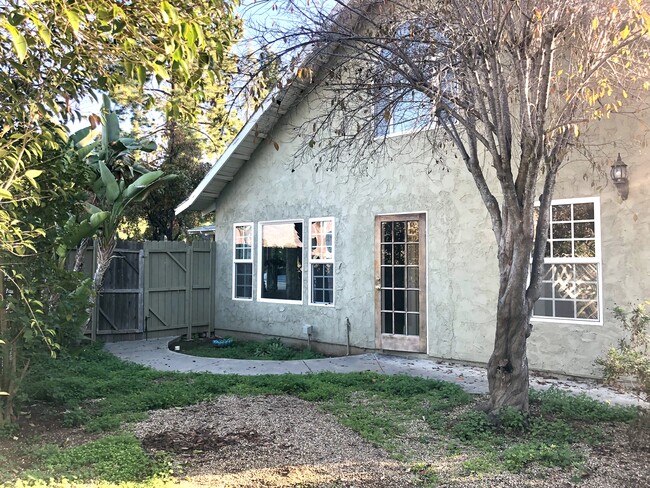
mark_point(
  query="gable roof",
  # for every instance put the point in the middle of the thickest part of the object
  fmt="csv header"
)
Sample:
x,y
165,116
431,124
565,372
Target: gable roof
x,y
262,122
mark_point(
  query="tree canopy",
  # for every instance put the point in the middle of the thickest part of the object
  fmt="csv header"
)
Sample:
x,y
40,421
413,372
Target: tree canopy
x,y
512,87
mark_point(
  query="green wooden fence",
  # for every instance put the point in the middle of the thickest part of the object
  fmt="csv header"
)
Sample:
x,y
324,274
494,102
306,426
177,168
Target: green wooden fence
x,y
156,289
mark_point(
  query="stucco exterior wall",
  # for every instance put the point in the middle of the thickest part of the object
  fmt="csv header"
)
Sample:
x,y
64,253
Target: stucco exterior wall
x,y
461,265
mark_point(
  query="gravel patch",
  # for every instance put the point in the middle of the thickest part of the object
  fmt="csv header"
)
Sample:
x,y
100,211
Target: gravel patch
x,y
267,441
282,441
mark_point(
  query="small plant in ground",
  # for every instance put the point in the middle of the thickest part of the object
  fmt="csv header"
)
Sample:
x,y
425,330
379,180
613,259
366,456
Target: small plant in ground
x,y
555,402
488,463
473,427
631,358
425,475
517,457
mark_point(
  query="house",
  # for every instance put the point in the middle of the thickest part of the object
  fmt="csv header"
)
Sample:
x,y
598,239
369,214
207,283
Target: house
x,y
402,257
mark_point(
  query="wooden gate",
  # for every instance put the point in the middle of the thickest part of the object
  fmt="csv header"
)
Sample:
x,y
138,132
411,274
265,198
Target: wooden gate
x,y
155,289
178,287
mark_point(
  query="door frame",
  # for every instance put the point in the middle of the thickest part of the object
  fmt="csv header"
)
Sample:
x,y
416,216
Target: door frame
x,y
392,342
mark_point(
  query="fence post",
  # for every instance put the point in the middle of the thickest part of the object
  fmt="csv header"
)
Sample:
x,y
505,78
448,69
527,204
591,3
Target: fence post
x,y
94,313
188,289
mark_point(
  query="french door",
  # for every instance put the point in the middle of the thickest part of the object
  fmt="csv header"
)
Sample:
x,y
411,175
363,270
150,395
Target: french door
x,y
400,282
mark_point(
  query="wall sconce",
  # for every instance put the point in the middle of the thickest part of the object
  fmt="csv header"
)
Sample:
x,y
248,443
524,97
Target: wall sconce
x,y
619,177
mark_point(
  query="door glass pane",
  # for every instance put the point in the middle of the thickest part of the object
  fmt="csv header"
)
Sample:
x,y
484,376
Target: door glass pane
x,y
386,254
399,276
412,254
400,323
413,275
387,322
413,232
398,255
400,231
413,301
386,232
400,302
387,299
413,324
386,277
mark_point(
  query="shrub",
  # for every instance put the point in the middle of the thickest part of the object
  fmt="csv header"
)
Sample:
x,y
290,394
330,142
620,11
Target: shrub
x,y
631,358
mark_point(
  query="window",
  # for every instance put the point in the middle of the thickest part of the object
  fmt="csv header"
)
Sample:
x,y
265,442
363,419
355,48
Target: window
x,y
403,115
571,283
321,261
243,262
280,275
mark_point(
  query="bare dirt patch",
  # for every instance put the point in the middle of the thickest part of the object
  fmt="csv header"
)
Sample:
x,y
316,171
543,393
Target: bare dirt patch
x,y
267,441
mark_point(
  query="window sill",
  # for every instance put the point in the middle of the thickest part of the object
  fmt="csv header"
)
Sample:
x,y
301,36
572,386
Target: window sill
x,y
277,300
553,320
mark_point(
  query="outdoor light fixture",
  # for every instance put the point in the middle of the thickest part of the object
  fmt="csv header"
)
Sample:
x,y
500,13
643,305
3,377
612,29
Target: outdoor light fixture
x,y
619,177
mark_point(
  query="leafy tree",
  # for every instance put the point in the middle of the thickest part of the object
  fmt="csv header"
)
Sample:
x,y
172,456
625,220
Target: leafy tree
x,y
53,53
511,86
41,304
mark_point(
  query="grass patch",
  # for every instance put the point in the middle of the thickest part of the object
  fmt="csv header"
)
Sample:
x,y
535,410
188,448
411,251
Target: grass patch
x,y
114,459
101,393
271,349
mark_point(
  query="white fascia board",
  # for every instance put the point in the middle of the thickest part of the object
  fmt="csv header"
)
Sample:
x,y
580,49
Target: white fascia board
x,y
214,171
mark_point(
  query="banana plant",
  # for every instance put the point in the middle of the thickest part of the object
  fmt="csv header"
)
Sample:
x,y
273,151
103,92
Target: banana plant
x,y
119,182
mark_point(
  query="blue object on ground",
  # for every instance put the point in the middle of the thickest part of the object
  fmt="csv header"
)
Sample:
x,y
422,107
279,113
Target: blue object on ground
x,y
222,342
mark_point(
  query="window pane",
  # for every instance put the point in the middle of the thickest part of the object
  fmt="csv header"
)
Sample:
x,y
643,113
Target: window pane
x,y
586,272
564,309
585,249
243,280
321,240
561,231
584,230
583,211
562,249
587,310
561,213
322,283
544,308
281,264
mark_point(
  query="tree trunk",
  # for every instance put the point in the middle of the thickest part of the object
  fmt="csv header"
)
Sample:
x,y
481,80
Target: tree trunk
x,y
7,373
105,250
508,366
80,255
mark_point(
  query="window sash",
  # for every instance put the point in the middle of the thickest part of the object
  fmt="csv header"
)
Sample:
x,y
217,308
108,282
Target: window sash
x,y
282,285
551,293
239,262
321,262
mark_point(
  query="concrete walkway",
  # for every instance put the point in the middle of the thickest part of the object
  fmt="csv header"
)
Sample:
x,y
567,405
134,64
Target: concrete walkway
x,y
155,354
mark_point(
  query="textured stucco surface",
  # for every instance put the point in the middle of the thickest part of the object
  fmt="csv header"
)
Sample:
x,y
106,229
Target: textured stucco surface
x,y
461,267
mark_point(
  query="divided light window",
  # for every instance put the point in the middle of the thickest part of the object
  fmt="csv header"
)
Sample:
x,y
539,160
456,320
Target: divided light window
x,y
571,287
243,262
280,264
321,261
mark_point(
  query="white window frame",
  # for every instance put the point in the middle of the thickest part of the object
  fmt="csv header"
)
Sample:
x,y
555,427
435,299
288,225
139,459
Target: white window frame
x,y
260,245
236,261
313,261
597,260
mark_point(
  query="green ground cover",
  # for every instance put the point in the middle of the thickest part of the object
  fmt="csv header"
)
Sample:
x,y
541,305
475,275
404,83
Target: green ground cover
x,y
271,349
101,394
